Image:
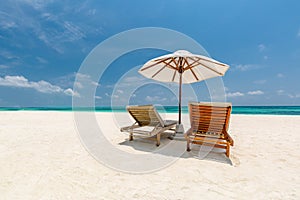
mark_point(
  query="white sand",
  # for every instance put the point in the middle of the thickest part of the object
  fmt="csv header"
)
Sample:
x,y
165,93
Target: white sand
x,y
41,157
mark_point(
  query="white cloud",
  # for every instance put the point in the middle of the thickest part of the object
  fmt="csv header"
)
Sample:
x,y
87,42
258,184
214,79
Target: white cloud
x,y
70,92
37,4
48,41
261,47
257,92
134,79
82,76
284,93
235,94
260,81
40,86
98,97
246,67
155,98
16,81
7,24
4,67
8,55
95,83
298,34
279,75
280,92
297,96
61,32
120,91
92,12
293,96
72,32
41,60
84,80
44,87
7,20
78,85
49,16
56,38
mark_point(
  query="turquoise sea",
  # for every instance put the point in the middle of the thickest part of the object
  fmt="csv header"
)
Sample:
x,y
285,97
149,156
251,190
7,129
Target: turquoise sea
x,y
253,110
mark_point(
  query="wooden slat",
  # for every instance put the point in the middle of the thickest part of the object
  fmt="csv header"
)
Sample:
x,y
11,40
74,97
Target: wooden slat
x,y
209,108
210,144
207,114
144,115
212,125
199,113
207,126
208,123
209,139
217,109
205,134
208,120
208,129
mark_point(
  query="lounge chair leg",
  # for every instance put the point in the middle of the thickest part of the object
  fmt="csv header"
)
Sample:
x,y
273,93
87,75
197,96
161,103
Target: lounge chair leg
x,y
188,148
130,137
227,150
158,139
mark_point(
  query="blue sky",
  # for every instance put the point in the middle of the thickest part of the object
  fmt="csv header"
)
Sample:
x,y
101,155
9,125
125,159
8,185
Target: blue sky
x,y
44,42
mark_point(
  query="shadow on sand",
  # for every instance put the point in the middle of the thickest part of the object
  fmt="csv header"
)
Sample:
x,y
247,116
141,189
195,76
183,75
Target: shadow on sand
x,y
177,148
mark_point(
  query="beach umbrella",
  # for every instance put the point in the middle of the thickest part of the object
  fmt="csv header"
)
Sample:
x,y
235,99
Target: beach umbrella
x,y
182,67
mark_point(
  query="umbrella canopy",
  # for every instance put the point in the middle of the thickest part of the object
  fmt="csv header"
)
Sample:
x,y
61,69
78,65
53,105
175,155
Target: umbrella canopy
x,y
182,67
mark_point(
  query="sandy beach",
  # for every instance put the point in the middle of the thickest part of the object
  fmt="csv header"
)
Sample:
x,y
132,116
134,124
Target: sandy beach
x,y
41,157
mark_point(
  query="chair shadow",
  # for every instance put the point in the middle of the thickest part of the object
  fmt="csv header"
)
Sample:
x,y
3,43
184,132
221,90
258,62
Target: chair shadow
x,y
208,153
197,151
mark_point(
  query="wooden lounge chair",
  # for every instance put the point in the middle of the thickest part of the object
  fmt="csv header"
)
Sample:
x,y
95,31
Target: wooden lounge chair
x,y
209,125
146,116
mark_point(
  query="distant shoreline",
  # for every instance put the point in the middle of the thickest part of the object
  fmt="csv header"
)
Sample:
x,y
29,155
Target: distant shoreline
x,y
247,110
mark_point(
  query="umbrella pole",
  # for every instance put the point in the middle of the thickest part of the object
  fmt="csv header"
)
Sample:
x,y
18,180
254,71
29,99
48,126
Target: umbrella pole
x,y
179,126
179,104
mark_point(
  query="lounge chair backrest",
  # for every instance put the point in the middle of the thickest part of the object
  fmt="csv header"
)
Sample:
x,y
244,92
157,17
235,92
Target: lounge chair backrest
x,y
145,115
211,119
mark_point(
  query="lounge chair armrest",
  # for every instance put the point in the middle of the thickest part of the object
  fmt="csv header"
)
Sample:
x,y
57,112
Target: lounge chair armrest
x,y
229,138
129,128
169,122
